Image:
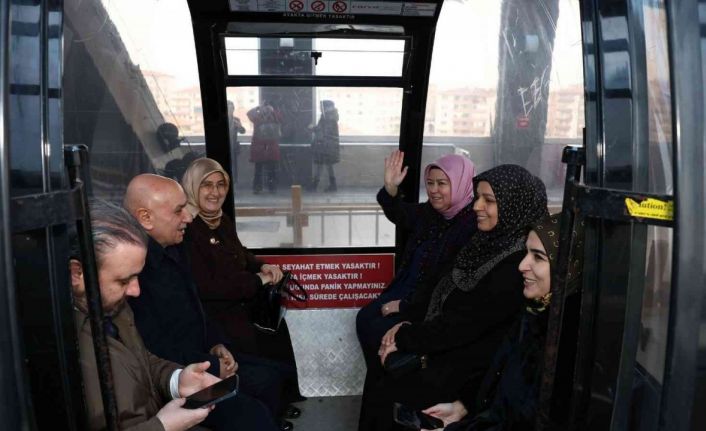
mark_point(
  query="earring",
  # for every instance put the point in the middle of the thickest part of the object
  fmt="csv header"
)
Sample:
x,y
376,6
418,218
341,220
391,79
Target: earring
x,y
545,300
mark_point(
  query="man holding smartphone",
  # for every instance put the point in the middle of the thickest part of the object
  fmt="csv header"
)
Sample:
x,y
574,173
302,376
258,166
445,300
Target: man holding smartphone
x,y
149,391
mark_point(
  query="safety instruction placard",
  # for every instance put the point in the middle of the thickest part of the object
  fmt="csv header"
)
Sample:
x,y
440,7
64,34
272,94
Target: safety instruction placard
x,y
376,8
650,208
338,280
257,5
419,9
336,7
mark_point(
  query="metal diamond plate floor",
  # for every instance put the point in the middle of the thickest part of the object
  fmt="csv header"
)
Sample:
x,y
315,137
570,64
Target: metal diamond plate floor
x,y
329,359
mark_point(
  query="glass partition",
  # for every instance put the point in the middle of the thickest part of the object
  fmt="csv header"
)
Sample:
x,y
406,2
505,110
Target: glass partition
x,y
651,354
320,56
308,163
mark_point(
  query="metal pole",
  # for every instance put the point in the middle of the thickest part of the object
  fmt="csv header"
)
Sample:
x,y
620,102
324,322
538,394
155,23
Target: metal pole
x,y
377,227
76,157
350,227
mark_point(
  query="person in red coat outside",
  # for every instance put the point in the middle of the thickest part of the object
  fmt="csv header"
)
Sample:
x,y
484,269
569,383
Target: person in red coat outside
x,y
264,149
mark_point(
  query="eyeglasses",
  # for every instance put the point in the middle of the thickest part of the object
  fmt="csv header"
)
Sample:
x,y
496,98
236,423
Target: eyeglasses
x,y
207,185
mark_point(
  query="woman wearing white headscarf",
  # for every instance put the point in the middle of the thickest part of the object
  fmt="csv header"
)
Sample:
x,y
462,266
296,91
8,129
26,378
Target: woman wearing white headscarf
x,y
227,274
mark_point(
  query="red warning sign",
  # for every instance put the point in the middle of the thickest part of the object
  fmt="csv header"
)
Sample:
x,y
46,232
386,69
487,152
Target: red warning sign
x,y
296,5
339,7
338,280
318,6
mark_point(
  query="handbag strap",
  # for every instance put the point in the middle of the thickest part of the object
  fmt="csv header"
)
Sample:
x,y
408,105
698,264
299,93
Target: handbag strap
x,y
288,279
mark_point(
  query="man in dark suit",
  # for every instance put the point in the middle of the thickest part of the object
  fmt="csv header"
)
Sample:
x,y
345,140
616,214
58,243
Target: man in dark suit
x,y
168,313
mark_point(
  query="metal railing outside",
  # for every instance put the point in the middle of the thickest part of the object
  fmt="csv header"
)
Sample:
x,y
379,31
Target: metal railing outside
x,y
298,216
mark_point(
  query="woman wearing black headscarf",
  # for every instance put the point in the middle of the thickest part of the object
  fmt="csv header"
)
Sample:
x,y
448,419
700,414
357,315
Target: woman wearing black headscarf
x,y
471,307
508,396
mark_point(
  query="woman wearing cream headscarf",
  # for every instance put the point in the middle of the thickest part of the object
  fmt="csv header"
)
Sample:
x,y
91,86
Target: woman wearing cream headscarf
x,y
227,274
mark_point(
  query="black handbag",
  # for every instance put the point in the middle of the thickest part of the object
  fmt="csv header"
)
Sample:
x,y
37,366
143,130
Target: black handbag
x,y
266,311
397,364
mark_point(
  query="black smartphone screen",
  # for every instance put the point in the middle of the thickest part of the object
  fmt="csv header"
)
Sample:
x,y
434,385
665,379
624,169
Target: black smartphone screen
x,y
415,419
429,422
220,391
403,415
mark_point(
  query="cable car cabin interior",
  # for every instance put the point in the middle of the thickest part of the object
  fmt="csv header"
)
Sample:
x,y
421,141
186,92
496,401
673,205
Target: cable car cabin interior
x,y
601,100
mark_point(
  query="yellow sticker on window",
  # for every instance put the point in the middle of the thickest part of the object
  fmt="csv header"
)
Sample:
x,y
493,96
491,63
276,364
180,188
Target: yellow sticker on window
x,y
651,208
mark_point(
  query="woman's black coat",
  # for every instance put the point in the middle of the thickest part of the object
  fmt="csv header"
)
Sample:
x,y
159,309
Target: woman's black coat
x,y
508,396
461,341
460,344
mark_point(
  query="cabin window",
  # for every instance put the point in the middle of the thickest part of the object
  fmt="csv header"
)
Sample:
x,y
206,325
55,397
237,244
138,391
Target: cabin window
x,y
313,214
248,56
515,92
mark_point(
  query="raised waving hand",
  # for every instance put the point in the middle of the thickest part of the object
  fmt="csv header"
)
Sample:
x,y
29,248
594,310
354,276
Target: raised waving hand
x,y
394,171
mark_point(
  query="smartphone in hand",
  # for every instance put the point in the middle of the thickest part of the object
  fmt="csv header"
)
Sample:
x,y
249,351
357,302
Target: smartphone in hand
x,y
213,394
415,419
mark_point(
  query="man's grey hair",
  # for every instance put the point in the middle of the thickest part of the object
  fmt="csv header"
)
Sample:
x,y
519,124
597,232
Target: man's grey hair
x,y
113,225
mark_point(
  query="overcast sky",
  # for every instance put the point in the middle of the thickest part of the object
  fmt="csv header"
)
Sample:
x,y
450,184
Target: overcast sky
x,y
159,37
